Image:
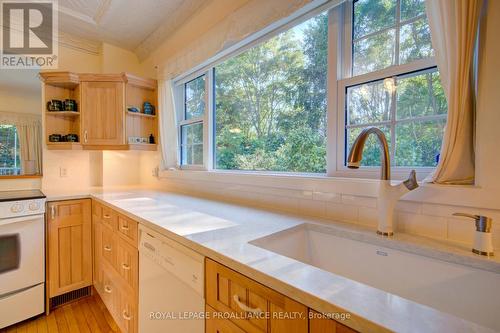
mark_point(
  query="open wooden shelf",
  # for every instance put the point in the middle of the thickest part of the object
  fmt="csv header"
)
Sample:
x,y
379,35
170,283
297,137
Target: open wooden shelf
x,y
63,113
64,146
139,114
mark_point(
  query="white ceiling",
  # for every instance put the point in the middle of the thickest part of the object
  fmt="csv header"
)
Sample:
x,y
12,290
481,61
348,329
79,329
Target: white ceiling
x,y
130,24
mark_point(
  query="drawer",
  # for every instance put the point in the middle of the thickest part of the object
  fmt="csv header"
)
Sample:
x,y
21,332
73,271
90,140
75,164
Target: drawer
x,y
216,324
255,307
127,229
108,217
126,313
128,263
110,291
108,249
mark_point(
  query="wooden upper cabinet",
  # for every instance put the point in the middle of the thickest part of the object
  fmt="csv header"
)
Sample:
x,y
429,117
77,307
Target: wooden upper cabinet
x,y
102,119
69,246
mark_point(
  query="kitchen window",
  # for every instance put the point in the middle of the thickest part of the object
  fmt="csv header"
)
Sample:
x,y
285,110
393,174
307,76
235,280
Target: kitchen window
x,y
294,98
191,124
10,163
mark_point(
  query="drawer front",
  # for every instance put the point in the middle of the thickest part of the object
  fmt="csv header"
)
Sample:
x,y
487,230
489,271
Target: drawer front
x,y
108,246
128,263
108,217
126,313
127,229
255,308
110,291
216,324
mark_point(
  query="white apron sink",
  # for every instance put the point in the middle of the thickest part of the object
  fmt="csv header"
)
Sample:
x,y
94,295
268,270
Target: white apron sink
x,y
462,291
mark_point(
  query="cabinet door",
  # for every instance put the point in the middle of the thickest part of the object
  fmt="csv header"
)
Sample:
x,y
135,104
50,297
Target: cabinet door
x,y
70,246
102,113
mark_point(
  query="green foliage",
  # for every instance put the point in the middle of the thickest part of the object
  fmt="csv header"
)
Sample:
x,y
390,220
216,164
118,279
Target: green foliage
x,y
9,150
271,103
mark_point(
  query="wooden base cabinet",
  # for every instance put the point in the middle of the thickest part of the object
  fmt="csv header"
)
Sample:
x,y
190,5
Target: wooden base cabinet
x,y
116,265
69,246
252,306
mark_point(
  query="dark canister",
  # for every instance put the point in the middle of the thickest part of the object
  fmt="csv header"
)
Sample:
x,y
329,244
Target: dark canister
x,y
54,105
55,138
70,105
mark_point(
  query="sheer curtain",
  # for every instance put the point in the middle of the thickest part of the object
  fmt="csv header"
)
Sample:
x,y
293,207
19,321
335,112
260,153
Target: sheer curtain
x,y
454,26
29,132
30,147
168,126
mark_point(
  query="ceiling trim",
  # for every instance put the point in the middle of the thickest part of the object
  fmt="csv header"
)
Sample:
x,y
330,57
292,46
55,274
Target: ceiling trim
x,y
76,15
80,44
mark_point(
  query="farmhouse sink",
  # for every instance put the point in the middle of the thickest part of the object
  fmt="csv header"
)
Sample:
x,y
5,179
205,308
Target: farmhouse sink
x,y
462,291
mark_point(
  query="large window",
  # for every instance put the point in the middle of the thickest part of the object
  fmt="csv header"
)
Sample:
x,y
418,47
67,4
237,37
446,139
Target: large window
x,y
9,151
276,103
270,103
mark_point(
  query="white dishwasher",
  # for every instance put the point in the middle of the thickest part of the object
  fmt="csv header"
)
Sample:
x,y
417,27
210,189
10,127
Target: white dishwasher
x,y
171,284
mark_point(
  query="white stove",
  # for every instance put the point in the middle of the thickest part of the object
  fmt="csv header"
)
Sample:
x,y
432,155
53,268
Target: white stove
x,y
22,255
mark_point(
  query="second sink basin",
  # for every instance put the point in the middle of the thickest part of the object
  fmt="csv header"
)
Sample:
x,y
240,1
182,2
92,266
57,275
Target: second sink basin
x,y
462,291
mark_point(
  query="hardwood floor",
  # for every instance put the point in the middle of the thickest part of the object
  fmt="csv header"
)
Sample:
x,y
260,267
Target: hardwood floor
x,y
88,315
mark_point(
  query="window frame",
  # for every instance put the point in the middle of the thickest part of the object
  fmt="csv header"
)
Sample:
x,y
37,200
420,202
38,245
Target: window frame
x,y
348,80
339,77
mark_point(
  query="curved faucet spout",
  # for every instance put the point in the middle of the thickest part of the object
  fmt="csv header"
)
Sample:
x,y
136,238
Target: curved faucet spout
x,y
356,153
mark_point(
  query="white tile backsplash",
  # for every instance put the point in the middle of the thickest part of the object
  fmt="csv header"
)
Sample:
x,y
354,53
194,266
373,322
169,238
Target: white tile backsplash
x,y
424,225
342,212
359,201
424,219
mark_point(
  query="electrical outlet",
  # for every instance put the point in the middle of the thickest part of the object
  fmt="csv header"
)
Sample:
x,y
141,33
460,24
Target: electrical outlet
x,y
155,172
63,172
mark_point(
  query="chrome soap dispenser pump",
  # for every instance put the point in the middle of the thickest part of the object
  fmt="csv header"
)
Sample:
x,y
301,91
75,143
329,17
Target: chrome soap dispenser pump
x,y
483,244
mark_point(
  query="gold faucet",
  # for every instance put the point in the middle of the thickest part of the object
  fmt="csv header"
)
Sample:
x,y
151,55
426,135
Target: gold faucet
x,y
388,195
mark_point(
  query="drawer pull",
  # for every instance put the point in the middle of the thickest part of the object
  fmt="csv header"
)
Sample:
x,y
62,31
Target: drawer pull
x,y
106,216
125,266
108,289
126,316
107,248
125,227
245,308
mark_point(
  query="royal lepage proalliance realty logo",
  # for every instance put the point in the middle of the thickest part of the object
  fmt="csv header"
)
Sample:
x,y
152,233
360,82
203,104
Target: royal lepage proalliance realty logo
x,y
29,34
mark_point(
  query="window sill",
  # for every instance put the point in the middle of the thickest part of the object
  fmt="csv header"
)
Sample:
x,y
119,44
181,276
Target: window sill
x,y
20,177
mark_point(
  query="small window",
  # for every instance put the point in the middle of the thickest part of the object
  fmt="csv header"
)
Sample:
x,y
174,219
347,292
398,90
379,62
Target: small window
x,y
192,144
10,163
411,111
387,33
191,125
195,98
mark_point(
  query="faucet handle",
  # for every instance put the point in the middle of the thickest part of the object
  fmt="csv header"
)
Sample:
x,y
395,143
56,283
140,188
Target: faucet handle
x,y
483,223
411,183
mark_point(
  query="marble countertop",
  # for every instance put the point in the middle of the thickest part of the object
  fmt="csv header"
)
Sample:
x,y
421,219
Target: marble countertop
x,y
222,231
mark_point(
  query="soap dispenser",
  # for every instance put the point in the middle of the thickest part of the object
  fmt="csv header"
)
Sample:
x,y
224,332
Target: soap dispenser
x,y
483,244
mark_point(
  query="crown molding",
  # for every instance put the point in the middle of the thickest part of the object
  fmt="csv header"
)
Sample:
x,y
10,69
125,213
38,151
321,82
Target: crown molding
x,y
80,44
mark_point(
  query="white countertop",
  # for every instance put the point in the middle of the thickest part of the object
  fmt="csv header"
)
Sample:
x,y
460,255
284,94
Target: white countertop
x,y
223,231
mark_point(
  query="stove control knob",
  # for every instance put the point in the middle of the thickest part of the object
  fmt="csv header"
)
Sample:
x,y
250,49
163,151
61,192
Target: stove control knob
x,y
16,208
34,205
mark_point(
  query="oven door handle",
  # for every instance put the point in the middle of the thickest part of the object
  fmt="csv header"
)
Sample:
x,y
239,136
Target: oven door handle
x,y
19,219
